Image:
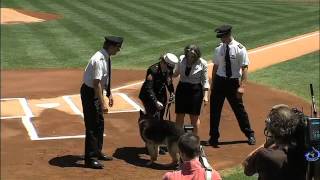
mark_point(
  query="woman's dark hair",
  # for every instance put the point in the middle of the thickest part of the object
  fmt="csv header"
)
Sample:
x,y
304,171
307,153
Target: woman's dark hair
x,y
189,144
281,123
194,48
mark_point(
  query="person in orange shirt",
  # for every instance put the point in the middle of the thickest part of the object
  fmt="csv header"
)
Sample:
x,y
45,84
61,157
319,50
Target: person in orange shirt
x,y
191,168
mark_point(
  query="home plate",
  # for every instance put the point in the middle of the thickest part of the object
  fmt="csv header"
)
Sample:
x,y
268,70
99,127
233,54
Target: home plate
x,y
48,105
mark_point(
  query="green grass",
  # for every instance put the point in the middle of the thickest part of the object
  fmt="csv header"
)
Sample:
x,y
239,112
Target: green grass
x,y
293,76
236,173
150,28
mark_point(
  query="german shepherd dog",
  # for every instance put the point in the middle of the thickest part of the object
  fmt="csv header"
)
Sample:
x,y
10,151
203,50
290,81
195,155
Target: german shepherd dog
x,y
155,132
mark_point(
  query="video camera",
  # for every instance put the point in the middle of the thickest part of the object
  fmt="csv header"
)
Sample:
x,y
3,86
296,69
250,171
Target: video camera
x,y
308,138
308,131
202,157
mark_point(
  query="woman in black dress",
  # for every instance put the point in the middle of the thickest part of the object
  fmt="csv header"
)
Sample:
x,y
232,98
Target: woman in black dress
x,y
193,86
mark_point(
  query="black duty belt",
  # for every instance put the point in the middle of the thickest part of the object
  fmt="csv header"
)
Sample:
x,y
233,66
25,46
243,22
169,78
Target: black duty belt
x,y
226,78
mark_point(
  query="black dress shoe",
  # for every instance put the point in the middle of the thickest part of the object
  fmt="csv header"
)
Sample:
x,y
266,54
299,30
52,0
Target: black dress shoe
x,y
251,140
213,142
104,157
94,164
146,151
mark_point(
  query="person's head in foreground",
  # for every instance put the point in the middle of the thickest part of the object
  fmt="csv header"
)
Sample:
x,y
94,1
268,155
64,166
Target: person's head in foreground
x,y
281,124
278,158
191,168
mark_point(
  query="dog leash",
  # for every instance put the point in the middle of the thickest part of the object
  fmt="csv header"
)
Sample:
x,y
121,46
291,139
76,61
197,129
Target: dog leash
x,y
168,115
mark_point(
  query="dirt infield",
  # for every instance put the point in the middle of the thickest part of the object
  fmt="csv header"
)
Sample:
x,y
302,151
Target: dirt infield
x,y
22,158
18,16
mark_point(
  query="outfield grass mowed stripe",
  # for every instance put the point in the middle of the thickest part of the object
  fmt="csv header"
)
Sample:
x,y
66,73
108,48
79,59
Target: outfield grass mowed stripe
x,y
242,17
257,14
200,18
223,15
84,28
85,40
136,25
24,49
155,19
156,29
66,49
115,20
265,33
46,48
177,16
100,23
293,76
151,28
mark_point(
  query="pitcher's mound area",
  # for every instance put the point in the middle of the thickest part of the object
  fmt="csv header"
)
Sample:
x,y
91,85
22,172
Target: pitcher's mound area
x,y
18,16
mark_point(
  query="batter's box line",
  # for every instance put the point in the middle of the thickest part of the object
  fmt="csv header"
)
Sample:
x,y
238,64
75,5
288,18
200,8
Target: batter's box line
x,y
27,123
77,111
26,120
24,104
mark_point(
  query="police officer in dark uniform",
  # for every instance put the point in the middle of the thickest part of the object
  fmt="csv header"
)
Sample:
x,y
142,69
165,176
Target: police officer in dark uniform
x,y
153,93
229,76
97,76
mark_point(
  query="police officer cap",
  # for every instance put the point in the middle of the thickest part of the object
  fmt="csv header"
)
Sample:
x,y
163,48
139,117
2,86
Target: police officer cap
x,y
171,59
114,40
223,30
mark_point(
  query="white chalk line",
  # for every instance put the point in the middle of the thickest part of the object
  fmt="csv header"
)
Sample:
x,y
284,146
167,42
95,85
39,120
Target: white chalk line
x,y
72,105
130,101
122,95
282,43
26,120
32,132
24,108
126,86
11,117
249,52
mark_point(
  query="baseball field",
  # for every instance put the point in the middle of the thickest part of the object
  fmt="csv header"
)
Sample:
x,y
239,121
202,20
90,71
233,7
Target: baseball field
x,y
46,44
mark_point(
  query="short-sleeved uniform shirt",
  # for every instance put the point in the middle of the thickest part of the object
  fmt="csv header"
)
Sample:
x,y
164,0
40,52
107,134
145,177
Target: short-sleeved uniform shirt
x,y
97,68
238,58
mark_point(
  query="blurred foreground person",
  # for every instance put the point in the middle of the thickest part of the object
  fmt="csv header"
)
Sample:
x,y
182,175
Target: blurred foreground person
x,y
191,168
279,158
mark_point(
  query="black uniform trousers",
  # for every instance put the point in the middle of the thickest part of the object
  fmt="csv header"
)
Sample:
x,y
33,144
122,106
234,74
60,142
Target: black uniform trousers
x,y
227,88
94,122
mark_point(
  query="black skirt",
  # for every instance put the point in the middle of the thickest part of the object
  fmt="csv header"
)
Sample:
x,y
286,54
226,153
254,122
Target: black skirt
x,y
189,98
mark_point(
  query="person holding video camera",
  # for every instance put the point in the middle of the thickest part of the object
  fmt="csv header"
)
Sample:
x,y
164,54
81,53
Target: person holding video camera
x,y
280,157
191,168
